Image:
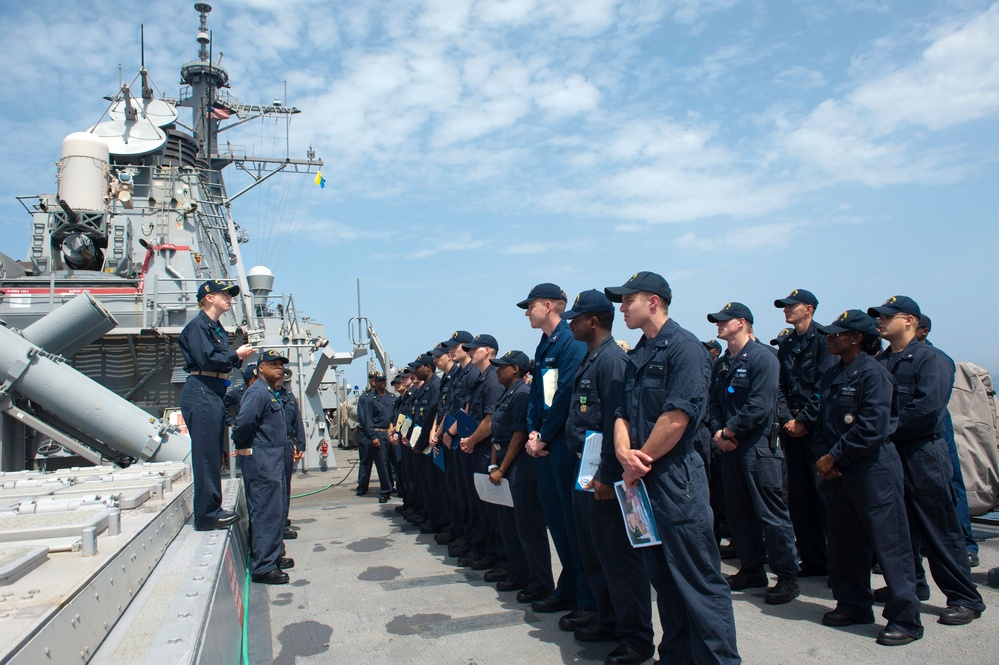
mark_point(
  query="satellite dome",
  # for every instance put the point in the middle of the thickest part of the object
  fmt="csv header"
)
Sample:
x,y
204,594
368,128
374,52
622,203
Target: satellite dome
x,y
261,280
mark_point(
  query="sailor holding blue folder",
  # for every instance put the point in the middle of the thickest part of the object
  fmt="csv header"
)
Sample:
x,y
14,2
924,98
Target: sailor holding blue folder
x,y
615,571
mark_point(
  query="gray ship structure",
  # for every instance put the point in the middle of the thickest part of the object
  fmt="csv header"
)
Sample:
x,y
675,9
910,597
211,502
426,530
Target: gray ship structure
x,y
98,562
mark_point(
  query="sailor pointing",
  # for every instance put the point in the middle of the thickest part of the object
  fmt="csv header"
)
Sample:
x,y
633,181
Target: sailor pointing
x,y
208,360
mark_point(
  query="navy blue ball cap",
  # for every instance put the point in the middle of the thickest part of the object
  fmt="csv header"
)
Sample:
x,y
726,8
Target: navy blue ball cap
x,y
457,338
518,358
588,302
649,282
731,310
796,296
216,286
780,336
925,322
379,377
546,291
249,372
852,320
439,350
712,344
896,305
482,340
271,355
422,359
397,379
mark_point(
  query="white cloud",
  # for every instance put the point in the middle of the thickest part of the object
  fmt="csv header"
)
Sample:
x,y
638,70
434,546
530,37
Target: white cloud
x,y
330,232
569,97
801,77
777,235
693,11
876,133
660,171
955,81
460,243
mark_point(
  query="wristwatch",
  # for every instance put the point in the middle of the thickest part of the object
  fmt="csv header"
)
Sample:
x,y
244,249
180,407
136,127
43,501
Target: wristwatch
x,y
493,467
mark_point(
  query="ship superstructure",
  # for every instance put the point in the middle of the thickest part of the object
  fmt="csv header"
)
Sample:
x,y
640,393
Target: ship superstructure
x,y
99,563
140,218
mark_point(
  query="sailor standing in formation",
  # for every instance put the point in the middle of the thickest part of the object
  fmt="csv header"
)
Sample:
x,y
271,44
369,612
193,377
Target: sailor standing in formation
x,y
862,481
296,443
743,408
555,362
803,359
615,571
924,377
827,391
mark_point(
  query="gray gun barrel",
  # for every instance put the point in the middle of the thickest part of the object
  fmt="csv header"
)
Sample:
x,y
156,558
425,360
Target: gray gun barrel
x,y
66,330
85,404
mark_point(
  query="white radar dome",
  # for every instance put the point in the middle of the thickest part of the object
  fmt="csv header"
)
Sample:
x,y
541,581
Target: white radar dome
x,y
83,171
260,279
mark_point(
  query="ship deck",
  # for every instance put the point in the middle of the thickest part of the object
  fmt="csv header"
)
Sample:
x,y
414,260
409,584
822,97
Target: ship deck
x,y
369,588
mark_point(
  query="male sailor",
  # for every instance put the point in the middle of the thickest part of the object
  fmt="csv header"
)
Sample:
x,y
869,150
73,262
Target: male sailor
x,y
262,445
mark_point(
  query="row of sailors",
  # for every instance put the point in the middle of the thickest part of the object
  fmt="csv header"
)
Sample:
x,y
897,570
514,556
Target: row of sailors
x,y
868,467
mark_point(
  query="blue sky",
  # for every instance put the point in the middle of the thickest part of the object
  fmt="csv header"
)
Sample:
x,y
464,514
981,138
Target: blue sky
x,y
473,149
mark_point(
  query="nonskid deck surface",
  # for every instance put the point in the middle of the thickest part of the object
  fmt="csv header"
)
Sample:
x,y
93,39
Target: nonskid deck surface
x,y
369,588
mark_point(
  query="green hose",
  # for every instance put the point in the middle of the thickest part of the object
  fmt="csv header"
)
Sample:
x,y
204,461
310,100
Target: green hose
x,y
246,613
299,496
246,582
349,471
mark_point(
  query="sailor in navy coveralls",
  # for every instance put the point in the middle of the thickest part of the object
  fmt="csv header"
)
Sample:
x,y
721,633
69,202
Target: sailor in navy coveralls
x,y
615,571
525,537
803,360
925,377
261,435
743,406
862,481
296,442
663,401
487,543
557,355
204,343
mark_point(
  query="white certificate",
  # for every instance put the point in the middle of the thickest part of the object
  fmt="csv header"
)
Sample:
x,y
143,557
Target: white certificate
x,y
414,436
406,425
549,384
500,495
590,460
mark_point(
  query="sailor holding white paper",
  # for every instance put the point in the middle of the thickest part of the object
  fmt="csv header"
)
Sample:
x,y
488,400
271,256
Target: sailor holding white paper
x,y
615,572
555,362
487,545
522,525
